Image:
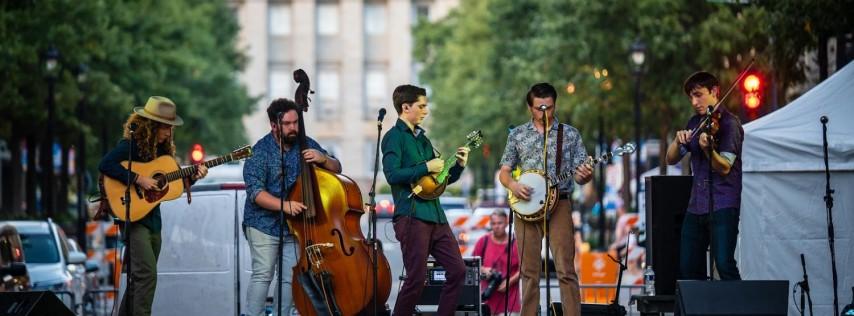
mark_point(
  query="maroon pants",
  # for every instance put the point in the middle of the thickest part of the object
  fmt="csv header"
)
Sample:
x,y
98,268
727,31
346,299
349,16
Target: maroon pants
x,y
418,239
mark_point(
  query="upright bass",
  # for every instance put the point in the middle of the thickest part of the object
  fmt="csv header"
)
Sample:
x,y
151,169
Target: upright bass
x,y
333,275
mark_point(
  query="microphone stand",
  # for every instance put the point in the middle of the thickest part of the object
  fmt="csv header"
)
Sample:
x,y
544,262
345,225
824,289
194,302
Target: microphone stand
x,y
281,136
129,288
546,206
372,220
805,287
509,272
509,258
710,182
828,201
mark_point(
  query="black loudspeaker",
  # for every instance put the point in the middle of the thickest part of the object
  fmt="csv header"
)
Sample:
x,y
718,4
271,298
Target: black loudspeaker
x,y
696,298
556,309
32,304
666,201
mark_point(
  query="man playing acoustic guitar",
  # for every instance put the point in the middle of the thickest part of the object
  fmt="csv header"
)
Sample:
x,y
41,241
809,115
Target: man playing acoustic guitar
x,y
525,149
152,137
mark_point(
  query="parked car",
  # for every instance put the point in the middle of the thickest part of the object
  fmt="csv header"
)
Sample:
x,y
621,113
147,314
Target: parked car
x,y
13,269
52,267
385,205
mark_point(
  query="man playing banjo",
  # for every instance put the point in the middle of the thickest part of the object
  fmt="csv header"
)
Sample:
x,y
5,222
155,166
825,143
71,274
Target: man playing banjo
x,y
524,149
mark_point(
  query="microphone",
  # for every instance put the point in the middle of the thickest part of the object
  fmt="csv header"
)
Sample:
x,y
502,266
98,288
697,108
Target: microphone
x,y
543,107
381,115
823,119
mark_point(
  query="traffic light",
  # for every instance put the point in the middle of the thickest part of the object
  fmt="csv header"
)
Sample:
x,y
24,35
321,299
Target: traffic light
x,y
752,92
197,154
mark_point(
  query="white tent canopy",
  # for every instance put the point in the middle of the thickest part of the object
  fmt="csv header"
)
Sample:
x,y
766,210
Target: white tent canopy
x,y
783,213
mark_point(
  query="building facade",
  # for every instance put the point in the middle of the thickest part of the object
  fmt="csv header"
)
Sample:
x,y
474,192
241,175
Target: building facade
x,y
355,52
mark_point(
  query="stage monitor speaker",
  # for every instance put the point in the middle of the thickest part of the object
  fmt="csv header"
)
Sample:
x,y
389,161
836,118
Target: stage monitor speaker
x,y
32,304
469,299
759,298
556,309
666,201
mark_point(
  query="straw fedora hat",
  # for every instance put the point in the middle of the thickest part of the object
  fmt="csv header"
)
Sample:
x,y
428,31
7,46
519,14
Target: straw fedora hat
x,y
160,109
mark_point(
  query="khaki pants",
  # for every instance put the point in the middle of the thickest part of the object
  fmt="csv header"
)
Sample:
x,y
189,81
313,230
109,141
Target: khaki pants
x,y
562,243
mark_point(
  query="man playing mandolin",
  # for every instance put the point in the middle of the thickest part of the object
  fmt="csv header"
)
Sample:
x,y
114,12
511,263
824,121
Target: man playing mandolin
x,y
420,225
525,149
152,127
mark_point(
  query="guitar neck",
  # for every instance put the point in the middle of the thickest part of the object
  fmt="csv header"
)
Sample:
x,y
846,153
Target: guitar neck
x,y
191,170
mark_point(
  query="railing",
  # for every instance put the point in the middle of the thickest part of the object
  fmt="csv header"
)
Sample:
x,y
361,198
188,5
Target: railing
x,y
99,302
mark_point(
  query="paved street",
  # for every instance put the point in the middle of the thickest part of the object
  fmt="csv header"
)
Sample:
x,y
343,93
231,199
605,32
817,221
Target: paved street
x,y
385,232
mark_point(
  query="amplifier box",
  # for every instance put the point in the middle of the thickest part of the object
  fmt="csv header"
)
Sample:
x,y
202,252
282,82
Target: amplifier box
x,y
469,295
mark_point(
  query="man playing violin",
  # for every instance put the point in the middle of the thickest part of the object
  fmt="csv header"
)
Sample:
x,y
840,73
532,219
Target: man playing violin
x,y
525,149
420,225
700,229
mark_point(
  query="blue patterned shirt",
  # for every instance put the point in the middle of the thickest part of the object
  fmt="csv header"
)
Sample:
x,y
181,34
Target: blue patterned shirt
x,y
525,149
263,172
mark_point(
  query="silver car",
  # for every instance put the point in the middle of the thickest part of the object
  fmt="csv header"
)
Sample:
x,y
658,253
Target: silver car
x,y
51,265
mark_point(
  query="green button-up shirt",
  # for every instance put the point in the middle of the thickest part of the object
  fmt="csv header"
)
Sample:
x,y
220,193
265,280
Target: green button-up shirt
x,y
405,155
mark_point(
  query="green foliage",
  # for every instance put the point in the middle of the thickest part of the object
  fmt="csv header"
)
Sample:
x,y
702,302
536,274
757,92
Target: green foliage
x,y
184,50
481,59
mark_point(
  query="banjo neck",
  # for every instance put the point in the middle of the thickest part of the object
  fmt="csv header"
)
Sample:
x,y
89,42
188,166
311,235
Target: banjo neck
x,y
628,148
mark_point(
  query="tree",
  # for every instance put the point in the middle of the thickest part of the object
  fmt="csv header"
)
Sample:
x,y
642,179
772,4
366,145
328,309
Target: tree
x,y
184,50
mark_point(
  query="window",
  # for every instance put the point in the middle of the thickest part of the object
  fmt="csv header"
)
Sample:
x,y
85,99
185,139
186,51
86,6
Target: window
x,y
327,19
375,85
327,93
280,84
280,20
375,18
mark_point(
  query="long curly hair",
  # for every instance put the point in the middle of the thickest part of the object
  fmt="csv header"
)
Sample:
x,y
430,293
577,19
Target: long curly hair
x,y
145,137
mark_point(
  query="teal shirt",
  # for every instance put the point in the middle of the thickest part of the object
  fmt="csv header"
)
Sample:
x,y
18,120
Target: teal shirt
x,y
405,156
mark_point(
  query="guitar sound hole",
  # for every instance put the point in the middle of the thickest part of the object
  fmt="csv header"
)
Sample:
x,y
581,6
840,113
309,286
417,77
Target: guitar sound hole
x,y
161,181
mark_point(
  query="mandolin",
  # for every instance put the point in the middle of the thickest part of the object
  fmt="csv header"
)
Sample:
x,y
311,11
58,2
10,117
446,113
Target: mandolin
x,y
432,185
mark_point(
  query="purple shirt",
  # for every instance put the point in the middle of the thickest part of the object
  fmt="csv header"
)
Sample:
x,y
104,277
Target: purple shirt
x,y
727,189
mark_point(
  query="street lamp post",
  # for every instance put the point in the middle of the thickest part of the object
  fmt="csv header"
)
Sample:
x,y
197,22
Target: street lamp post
x,y
638,56
82,213
51,59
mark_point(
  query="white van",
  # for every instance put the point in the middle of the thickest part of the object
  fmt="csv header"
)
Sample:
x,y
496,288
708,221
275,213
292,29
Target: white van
x,y
204,262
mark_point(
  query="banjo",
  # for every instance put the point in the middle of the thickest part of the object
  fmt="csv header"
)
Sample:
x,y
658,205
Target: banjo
x,y
533,209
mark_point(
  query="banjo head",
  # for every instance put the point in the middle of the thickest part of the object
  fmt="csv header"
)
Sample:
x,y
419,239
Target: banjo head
x,y
537,182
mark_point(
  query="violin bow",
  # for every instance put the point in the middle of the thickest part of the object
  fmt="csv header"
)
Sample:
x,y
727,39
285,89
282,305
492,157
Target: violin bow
x,y
721,100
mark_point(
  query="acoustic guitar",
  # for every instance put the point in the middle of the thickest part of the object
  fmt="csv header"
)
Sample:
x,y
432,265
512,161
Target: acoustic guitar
x,y
169,176
432,185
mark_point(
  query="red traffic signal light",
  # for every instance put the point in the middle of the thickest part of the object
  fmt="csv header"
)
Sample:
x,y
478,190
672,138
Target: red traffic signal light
x,y
752,83
751,100
197,154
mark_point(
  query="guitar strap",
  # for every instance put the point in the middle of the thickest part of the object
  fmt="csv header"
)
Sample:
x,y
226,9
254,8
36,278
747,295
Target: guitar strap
x,y
187,189
559,151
